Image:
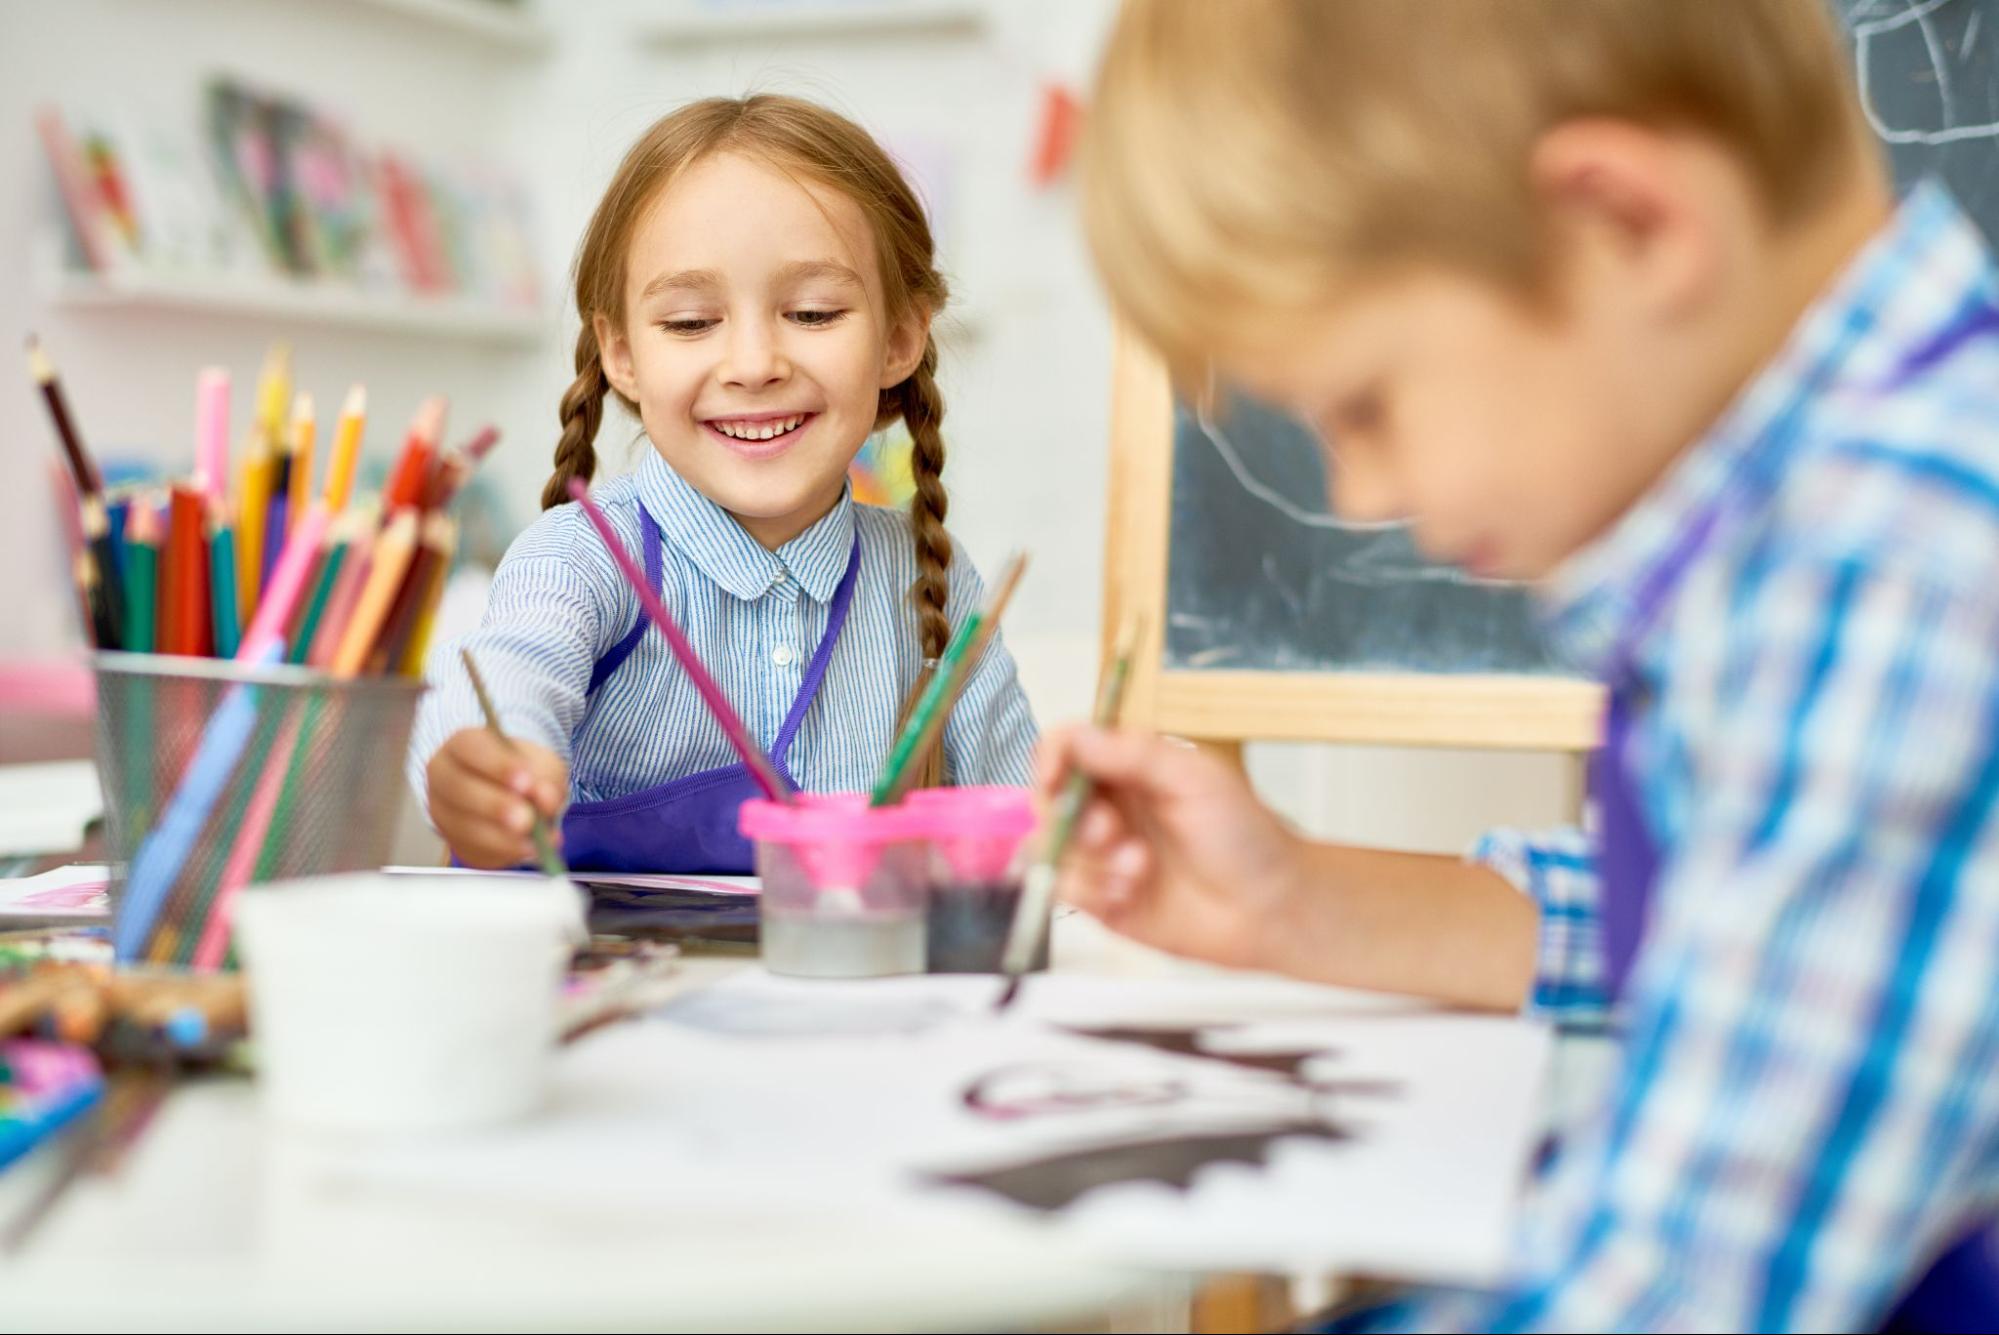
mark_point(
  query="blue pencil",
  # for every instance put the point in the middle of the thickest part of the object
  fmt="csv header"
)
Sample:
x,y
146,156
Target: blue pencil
x,y
165,852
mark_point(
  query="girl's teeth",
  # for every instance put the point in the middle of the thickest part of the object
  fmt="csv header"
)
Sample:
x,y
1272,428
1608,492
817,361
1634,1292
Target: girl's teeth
x,y
758,430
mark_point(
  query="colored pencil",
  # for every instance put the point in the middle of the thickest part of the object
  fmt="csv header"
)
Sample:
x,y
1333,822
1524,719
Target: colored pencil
x,y
83,570
340,539
107,603
434,550
456,466
205,937
333,621
1037,896
184,596
211,434
544,846
142,572
253,499
157,864
392,557
274,392
346,448
926,721
305,431
411,477
287,585
411,664
766,774
222,579
277,513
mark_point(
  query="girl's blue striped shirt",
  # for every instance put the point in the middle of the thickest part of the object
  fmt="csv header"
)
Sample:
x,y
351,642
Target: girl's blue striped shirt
x,y
558,604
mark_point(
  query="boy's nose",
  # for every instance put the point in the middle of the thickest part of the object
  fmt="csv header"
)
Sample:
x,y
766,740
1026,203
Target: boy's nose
x,y
752,358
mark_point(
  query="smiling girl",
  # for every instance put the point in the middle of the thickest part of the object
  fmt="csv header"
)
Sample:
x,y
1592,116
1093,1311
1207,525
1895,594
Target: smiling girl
x,y
757,287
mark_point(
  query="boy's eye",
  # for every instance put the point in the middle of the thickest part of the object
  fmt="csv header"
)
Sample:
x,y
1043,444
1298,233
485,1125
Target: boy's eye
x,y
815,318
689,326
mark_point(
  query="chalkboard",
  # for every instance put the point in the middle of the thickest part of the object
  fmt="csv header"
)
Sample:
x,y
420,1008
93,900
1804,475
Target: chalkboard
x,y
1260,576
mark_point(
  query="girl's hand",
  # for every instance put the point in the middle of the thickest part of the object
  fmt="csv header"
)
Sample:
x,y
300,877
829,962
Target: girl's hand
x,y
484,794
1174,850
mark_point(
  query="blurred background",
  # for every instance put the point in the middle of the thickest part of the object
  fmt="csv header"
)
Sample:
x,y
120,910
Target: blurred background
x,y
484,131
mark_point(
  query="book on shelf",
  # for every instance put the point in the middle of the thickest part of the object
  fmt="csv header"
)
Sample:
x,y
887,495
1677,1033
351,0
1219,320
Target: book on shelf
x,y
257,186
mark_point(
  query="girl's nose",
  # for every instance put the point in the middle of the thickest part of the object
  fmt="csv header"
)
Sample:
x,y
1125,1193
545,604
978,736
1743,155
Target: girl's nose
x,y
752,358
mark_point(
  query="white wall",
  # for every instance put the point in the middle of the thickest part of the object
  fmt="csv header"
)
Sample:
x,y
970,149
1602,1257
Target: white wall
x,y
1028,402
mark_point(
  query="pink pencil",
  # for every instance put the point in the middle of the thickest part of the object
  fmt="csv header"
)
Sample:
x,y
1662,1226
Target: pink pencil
x,y
760,766
287,583
211,435
214,943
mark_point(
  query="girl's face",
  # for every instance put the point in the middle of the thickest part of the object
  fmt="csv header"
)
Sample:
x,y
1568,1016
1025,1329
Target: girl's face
x,y
756,339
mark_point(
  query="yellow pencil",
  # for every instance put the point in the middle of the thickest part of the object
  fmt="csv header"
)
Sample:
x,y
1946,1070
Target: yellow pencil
x,y
346,447
385,576
274,392
253,498
433,594
304,428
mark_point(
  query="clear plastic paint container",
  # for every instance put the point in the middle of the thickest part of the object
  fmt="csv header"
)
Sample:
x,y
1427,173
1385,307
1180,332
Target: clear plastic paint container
x,y
843,886
976,845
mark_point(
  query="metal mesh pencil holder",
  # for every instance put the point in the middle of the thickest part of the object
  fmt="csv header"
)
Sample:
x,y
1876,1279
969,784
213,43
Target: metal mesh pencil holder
x,y
219,775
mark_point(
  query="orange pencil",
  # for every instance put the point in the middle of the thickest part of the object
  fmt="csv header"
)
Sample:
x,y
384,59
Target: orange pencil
x,y
385,577
346,448
411,478
305,428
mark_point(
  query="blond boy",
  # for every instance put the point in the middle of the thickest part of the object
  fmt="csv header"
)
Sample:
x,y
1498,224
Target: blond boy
x,y
1614,296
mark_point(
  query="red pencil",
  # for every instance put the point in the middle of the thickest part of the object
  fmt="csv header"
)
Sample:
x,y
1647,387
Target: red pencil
x,y
184,621
411,478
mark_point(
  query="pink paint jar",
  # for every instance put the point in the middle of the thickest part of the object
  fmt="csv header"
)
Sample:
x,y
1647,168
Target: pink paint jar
x,y
843,886
976,844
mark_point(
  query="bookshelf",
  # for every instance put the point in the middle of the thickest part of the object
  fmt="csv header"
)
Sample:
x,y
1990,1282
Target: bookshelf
x,y
690,25
509,27
329,305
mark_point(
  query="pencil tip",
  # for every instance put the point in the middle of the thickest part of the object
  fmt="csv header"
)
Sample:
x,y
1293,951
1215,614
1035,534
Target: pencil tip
x,y
39,365
357,401
1008,993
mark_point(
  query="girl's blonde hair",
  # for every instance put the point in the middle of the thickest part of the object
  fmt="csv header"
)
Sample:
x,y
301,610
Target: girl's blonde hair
x,y
829,150
1247,159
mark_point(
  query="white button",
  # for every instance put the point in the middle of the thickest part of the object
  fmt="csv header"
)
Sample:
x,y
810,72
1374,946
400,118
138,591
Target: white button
x,y
781,655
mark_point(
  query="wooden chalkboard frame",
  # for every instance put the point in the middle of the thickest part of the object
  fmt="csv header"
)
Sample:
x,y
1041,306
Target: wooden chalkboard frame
x,y
1227,708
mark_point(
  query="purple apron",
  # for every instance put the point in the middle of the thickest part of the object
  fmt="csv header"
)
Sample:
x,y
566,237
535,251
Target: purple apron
x,y
689,824
1960,1291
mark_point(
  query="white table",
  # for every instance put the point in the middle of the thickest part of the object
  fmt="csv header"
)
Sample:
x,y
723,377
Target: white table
x,y
219,1222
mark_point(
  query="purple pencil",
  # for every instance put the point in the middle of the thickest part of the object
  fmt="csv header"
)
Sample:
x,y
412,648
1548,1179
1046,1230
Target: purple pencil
x,y
760,766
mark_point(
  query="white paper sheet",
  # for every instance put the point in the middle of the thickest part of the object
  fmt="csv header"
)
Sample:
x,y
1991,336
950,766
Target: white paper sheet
x,y
761,1097
76,893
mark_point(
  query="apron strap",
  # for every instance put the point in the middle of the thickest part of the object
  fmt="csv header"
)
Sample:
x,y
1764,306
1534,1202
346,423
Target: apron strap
x,y
622,650
815,671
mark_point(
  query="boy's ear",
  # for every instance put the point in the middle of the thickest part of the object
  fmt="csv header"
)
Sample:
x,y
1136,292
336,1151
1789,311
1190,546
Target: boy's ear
x,y
1656,207
906,342
615,351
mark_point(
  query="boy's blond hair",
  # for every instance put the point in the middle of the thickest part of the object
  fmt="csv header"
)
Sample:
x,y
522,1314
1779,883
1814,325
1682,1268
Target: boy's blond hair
x,y
1243,159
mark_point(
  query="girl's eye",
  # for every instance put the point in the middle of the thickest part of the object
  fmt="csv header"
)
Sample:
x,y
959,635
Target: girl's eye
x,y
815,319
688,326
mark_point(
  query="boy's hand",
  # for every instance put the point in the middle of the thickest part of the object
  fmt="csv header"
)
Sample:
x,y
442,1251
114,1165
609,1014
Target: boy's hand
x,y
1174,850
484,793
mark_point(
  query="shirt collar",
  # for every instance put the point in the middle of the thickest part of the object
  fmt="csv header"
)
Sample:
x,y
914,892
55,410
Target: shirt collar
x,y
1897,296
720,548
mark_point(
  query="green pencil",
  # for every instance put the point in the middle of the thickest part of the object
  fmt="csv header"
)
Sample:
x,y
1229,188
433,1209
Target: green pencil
x,y
340,540
1037,896
954,669
142,572
222,580
544,846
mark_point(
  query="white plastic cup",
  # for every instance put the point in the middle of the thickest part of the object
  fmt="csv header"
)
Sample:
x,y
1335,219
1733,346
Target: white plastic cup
x,y
405,1003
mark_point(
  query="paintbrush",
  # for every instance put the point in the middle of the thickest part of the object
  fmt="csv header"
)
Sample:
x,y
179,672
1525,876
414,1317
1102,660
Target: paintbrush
x,y
1037,896
761,768
544,844
954,669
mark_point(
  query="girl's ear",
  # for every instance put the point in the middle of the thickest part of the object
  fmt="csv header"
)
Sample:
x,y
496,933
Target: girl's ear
x,y
615,351
906,342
